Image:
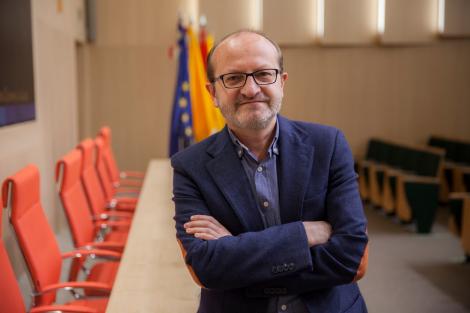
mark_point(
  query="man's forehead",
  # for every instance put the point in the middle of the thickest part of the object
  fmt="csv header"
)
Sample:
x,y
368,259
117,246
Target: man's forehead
x,y
241,41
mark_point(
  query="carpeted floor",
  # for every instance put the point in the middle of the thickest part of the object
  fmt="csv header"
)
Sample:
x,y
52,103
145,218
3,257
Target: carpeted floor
x,y
411,273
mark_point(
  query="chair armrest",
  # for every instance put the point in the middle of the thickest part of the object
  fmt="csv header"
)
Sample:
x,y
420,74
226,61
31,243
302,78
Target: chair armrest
x,y
390,171
459,195
113,215
464,169
127,192
73,286
103,254
114,204
421,179
449,164
104,245
132,174
62,309
113,225
128,183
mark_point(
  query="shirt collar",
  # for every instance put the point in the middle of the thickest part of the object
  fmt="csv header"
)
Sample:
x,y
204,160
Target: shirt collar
x,y
241,148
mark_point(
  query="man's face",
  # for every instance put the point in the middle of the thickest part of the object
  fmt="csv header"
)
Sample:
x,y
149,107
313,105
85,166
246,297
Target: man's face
x,y
251,106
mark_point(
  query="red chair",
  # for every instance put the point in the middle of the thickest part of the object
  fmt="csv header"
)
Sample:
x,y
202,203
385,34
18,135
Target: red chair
x,y
11,300
124,178
124,196
86,231
41,251
93,189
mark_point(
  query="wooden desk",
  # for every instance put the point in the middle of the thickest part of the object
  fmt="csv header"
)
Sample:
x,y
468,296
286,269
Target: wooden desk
x,y
152,276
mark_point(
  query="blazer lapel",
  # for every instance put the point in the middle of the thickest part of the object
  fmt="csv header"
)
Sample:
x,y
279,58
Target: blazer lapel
x,y
294,170
229,175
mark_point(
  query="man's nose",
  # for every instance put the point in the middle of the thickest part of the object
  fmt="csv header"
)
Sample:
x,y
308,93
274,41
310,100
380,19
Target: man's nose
x,y
250,88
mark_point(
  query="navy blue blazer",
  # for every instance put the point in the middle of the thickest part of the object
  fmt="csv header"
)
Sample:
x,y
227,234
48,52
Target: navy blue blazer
x,y
316,182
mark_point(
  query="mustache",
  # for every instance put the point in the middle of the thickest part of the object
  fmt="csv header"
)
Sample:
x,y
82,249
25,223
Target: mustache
x,y
255,99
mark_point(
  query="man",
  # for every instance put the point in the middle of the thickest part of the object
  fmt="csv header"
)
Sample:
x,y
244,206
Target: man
x,y
268,213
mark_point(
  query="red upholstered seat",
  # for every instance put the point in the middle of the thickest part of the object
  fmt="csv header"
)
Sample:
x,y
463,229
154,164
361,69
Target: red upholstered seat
x,y
96,196
120,178
11,300
21,194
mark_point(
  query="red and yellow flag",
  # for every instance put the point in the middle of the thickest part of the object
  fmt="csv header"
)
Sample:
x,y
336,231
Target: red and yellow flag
x,y
207,119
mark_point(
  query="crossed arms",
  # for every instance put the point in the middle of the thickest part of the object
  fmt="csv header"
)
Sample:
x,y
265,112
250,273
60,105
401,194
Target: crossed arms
x,y
300,256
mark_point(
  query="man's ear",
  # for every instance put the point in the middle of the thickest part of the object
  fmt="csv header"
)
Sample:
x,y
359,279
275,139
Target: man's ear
x,y
211,89
284,77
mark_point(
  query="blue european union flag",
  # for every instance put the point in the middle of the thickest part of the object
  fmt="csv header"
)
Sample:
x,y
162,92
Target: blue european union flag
x,y
181,134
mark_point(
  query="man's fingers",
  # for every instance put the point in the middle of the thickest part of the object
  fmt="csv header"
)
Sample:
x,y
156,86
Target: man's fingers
x,y
201,223
194,230
204,236
206,218
207,227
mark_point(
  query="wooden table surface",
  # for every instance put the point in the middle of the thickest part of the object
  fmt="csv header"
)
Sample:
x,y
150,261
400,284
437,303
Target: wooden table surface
x,y
152,276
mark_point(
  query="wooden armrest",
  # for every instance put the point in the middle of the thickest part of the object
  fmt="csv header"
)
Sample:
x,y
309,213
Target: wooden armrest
x,y
459,195
421,179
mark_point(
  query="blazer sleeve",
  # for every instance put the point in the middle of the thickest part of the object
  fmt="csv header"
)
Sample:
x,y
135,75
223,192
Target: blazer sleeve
x,y
235,261
343,259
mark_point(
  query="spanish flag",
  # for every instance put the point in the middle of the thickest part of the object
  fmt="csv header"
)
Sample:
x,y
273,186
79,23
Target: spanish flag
x,y
207,119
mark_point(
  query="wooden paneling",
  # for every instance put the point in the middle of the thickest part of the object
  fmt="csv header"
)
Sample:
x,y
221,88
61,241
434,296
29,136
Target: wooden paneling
x,y
226,16
403,94
298,14
410,21
456,20
349,22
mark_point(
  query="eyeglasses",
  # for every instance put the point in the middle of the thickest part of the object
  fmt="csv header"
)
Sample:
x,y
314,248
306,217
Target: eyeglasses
x,y
238,80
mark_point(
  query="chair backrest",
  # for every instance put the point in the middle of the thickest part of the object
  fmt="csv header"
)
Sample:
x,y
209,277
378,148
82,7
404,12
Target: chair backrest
x,y
91,183
100,164
429,163
73,198
10,296
110,161
35,236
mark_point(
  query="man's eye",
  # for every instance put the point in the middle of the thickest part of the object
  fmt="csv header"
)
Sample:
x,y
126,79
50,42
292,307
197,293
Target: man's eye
x,y
263,74
234,78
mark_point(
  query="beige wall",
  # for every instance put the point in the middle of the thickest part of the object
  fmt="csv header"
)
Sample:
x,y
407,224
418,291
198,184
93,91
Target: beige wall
x,y
401,92
55,129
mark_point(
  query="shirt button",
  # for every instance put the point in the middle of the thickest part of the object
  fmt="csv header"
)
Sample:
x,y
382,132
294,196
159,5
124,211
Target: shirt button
x,y
260,169
265,204
283,307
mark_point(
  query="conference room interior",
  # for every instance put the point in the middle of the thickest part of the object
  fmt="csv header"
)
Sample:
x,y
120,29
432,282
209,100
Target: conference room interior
x,y
391,74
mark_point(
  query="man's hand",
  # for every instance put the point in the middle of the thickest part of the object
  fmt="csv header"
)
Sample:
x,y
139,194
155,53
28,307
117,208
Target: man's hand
x,y
206,227
317,232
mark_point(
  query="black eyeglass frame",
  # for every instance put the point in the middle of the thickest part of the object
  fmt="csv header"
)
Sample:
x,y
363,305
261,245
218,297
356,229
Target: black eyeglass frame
x,y
252,74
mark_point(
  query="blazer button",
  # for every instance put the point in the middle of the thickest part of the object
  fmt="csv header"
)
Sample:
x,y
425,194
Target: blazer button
x,y
274,270
291,266
279,268
285,267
